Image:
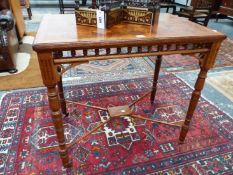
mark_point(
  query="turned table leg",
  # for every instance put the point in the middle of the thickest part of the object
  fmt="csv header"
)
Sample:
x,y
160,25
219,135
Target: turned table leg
x,y
58,124
193,103
155,79
51,79
206,63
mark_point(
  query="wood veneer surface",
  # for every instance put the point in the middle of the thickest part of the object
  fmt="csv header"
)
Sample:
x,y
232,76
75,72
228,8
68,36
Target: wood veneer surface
x,y
62,31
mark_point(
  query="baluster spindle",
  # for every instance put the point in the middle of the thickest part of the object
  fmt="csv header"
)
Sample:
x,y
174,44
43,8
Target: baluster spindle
x,y
169,47
195,46
160,48
139,49
97,52
155,48
108,51
57,54
129,49
85,52
118,50
149,49
73,53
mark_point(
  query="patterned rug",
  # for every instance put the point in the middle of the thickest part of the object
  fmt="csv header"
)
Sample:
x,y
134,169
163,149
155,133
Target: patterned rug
x,y
123,146
108,70
177,63
223,83
212,91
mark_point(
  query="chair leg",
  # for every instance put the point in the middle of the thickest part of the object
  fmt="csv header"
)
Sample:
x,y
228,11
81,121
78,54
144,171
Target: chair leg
x,y
217,17
205,23
29,13
61,6
207,20
192,19
174,11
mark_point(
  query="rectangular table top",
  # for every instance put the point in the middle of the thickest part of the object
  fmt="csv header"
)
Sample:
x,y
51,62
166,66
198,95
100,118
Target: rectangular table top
x,y
61,31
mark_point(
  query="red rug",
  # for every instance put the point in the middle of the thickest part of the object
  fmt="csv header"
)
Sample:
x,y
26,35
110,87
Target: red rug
x,y
177,63
123,146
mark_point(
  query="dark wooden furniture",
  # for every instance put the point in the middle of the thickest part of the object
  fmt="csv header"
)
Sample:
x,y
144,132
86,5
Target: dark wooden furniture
x,y
169,36
226,7
65,7
70,8
168,4
4,4
8,40
200,11
145,13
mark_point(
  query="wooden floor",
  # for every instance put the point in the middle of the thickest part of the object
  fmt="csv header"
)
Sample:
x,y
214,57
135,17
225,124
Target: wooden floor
x,y
29,78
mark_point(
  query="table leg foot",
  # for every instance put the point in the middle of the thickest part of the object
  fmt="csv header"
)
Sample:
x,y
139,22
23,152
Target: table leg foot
x,y
183,133
69,164
66,115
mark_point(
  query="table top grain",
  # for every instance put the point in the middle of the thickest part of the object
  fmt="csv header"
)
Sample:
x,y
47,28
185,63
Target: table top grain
x,y
61,31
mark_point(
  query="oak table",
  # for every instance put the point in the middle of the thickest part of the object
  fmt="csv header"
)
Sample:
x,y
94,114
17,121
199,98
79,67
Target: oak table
x,y
172,35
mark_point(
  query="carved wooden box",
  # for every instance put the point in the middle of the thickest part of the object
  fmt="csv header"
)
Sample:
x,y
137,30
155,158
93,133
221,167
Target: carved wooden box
x,y
116,13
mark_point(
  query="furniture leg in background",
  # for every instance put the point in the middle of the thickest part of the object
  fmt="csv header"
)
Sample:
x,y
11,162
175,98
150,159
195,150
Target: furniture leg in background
x,y
61,95
225,8
29,10
61,6
26,4
155,79
168,4
66,7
